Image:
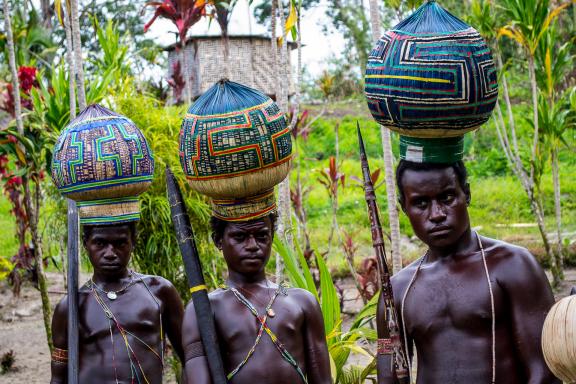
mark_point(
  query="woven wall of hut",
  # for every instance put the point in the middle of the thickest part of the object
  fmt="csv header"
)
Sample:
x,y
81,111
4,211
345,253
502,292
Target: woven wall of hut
x,y
250,63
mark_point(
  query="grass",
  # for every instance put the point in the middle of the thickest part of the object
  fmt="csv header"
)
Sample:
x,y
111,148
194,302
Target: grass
x,y
8,241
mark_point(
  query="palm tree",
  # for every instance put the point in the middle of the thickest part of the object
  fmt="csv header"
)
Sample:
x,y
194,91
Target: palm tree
x,y
33,214
388,162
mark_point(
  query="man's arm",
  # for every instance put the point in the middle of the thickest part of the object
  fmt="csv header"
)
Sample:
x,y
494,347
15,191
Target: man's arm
x,y
59,364
172,318
195,363
531,298
316,349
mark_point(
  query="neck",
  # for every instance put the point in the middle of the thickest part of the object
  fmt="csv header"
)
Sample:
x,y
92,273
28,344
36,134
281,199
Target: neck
x,y
461,249
110,278
236,279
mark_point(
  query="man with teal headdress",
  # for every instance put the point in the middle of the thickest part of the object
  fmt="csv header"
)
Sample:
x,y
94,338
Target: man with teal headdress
x,y
103,161
473,306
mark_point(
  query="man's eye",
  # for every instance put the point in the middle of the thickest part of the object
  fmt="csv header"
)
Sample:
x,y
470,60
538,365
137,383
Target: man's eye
x,y
262,237
420,204
448,198
239,237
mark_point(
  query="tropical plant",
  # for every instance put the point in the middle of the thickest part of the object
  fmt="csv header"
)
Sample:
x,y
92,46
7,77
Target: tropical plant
x,y
184,14
331,178
340,343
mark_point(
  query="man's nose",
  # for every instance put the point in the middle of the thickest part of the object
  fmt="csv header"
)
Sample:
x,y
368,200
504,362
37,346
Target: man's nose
x,y
109,251
251,243
437,213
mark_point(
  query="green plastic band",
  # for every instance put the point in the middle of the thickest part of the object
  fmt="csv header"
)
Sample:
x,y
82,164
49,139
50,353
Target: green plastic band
x,y
438,150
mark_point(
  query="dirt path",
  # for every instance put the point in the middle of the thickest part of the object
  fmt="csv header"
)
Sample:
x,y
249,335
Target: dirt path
x,y
22,330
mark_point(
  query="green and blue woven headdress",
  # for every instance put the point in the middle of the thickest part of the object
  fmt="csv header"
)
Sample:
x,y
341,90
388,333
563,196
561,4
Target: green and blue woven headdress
x,y
431,76
103,162
235,146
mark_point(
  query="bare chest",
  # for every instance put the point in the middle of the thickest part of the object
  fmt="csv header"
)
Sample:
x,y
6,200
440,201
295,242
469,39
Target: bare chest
x,y
451,298
135,311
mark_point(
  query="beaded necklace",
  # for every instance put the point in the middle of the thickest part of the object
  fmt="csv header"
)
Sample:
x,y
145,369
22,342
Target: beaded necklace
x,y
136,371
264,328
493,311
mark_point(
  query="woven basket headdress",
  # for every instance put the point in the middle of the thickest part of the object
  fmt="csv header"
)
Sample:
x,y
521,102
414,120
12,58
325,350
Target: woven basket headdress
x,y
431,76
103,162
235,146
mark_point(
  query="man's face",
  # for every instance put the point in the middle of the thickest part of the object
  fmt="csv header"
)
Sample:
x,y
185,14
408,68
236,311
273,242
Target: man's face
x,y
109,248
436,205
246,245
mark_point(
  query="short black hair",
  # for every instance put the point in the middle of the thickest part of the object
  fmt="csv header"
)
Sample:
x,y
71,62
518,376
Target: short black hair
x,y
87,229
218,225
404,165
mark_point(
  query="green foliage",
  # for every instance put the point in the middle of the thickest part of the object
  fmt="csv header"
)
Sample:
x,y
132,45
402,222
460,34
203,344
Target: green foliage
x,y
340,344
156,250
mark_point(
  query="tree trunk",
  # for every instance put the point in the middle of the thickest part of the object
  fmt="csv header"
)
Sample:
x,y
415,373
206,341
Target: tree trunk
x,y
71,63
393,215
33,218
557,209
46,14
79,63
534,86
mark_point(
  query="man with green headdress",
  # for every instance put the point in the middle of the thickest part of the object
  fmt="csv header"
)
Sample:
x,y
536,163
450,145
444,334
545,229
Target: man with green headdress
x,y
473,306
235,147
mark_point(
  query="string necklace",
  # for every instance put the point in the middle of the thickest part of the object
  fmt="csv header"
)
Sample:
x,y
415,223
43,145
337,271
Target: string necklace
x,y
113,295
136,370
269,311
493,311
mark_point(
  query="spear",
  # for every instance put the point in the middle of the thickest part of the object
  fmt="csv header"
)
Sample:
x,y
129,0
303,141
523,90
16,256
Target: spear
x,y
72,329
193,269
400,370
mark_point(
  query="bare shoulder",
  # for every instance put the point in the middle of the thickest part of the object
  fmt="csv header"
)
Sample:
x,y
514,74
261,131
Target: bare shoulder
x,y
306,299
401,279
160,287
512,264
61,309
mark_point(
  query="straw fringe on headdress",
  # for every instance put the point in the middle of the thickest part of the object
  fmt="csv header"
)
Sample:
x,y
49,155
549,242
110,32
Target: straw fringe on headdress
x,y
235,146
103,161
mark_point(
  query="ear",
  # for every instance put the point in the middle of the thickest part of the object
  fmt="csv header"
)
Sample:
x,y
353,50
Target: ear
x,y
468,194
217,240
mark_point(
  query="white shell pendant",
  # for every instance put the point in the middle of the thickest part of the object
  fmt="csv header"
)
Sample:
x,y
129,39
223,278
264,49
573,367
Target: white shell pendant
x,y
112,295
271,312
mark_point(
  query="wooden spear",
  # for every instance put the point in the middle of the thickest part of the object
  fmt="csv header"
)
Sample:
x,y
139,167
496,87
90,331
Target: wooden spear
x,y
399,362
193,269
73,355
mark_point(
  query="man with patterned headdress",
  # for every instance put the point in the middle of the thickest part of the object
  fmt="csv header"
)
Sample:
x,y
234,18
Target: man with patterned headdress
x,y
235,147
103,161
473,306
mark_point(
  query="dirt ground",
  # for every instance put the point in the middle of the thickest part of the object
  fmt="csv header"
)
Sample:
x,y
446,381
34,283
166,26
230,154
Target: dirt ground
x,y
22,330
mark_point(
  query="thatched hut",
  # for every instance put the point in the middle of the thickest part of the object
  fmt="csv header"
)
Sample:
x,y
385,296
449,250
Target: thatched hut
x,y
251,62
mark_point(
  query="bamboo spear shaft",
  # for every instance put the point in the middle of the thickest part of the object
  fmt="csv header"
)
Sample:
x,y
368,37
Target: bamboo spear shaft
x,y
193,269
399,362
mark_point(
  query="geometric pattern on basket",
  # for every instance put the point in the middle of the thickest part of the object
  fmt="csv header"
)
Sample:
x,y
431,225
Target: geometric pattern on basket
x,y
432,84
234,143
99,154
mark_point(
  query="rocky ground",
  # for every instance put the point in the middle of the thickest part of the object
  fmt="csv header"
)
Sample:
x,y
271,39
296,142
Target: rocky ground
x,y
22,329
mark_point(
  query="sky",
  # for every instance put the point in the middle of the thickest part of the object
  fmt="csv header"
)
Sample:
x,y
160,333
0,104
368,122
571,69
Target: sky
x,y
317,48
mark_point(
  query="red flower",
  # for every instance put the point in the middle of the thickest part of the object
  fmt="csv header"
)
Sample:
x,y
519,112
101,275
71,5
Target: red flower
x,y
27,78
12,139
14,180
183,13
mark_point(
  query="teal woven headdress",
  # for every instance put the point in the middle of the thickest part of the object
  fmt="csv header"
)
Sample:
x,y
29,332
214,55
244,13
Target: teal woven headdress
x,y
432,75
